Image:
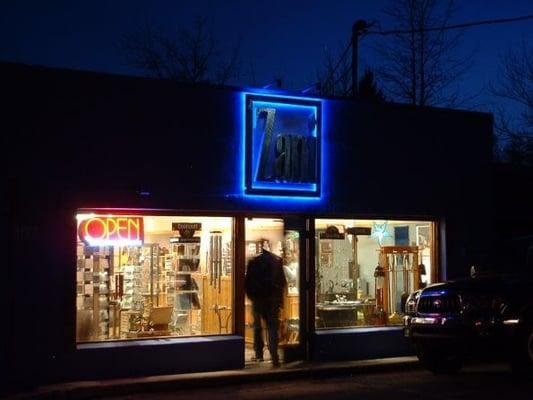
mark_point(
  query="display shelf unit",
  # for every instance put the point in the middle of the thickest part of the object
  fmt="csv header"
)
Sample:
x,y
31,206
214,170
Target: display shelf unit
x,y
402,273
152,268
183,293
131,298
94,269
144,288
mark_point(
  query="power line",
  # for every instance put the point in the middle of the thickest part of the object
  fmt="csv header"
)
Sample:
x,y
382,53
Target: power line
x,y
332,73
341,76
449,27
440,29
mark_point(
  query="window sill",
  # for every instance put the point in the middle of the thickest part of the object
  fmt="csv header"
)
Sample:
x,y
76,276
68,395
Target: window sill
x,y
156,342
358,330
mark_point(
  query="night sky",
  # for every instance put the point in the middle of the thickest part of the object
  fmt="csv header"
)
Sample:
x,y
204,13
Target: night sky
x,y
280,38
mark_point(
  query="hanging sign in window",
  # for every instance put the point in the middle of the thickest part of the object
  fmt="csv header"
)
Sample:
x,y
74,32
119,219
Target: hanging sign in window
x,y
112,231
187,231
282,146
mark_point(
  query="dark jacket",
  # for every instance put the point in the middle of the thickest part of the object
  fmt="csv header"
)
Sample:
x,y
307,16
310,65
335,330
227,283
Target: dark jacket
x,y
265,280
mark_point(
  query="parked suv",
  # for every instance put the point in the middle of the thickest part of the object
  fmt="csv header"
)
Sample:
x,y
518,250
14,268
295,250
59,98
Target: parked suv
x,y
486,315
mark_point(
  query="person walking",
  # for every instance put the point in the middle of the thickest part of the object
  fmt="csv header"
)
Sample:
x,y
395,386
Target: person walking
x,y
265,286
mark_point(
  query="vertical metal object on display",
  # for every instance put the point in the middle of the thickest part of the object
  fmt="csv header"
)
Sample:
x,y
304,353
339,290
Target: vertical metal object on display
x,y
207,264
151,273
211,269
406,269
393,266
215,260
219,260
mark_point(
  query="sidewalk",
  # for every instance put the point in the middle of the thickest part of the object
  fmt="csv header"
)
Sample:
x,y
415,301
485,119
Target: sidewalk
x,y
252,373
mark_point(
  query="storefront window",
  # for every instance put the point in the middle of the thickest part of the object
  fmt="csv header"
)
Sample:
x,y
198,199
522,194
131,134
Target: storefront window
x,y
144,276
365,269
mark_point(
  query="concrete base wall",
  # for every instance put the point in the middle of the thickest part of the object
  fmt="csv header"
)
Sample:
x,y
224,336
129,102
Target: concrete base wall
x,y
360,344
148,357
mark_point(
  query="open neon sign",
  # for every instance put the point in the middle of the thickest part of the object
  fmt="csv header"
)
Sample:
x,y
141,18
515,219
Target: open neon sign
x,y
112,231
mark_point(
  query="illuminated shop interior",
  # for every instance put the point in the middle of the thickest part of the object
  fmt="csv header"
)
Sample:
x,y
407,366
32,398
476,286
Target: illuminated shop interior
x,y
269,233
146,276
365,269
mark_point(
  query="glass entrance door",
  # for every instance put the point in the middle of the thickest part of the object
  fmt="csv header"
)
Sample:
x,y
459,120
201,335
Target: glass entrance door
x,y
279,249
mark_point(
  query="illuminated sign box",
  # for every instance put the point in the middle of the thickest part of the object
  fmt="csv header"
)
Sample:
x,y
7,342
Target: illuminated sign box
x,y
283,139
112,231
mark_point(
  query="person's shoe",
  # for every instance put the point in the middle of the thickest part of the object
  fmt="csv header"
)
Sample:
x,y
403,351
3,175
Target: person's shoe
x,y
257,358
275,363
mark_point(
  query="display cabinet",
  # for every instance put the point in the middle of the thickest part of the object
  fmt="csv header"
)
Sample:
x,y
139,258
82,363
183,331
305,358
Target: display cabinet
x,y
401,269
94,268
131,298
148,286
151,262
183,289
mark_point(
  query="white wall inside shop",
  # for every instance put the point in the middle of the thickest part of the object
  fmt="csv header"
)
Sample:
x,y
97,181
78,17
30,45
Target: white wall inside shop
x,y
335,277
268,229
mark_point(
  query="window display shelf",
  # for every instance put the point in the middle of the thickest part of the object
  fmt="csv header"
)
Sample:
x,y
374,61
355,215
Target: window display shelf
x,y
94,267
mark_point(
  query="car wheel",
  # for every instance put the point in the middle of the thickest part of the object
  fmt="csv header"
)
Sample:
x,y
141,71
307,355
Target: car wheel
x,y
522,361
439,360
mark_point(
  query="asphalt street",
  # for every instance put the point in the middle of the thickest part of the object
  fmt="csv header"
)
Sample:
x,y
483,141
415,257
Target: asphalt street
x,y
483,381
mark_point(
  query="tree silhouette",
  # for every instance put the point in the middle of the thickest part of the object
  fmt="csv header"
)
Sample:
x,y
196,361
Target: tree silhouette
x,y
335,79
420,66
368,89
516,85
192,56
334,75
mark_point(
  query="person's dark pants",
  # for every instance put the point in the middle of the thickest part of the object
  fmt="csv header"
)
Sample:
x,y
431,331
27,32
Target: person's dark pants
x,y
270,315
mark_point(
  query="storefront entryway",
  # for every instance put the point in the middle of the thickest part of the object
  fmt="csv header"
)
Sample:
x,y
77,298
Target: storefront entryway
x,y
273,235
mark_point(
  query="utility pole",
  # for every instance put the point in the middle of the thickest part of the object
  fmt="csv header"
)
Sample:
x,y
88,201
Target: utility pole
x,y
360,26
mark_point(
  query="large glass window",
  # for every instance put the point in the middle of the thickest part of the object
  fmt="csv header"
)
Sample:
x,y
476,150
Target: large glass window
x,y
144,276
365,269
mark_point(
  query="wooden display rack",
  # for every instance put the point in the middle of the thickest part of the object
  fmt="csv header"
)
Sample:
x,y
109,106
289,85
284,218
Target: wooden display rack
x,y
216,305
391,271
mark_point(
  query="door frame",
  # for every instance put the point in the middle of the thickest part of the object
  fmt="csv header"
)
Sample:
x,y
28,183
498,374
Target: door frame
x,y
294,222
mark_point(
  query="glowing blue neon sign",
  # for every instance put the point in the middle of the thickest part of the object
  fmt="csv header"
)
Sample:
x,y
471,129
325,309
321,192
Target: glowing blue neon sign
x,y
283,140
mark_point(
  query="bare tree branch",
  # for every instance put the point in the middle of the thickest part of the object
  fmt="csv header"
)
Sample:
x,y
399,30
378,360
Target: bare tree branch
x,y
516,85
333,76
418,65
192,56
515,132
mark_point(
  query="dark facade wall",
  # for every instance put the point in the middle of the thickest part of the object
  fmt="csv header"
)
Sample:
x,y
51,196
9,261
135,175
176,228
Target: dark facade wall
x,y
513,216
89,140
513,200
108,137
75,139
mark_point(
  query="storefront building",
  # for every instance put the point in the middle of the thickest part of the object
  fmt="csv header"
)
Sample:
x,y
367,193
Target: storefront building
x,y
135,204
